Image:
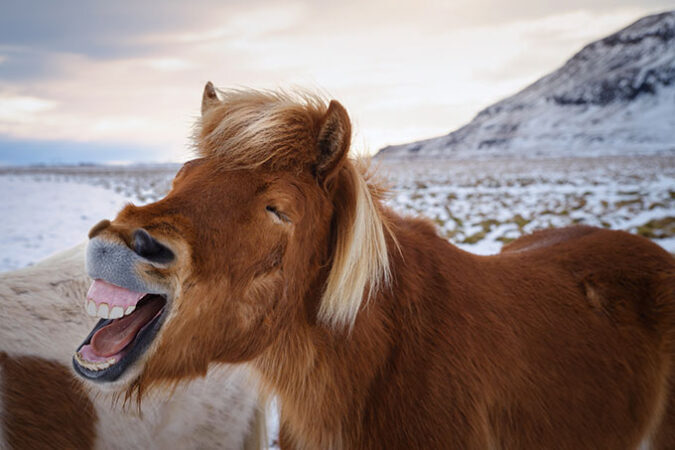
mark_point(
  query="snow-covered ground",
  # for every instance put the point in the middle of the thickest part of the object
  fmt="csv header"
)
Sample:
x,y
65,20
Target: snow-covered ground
x,y
43,217
48,209
478,205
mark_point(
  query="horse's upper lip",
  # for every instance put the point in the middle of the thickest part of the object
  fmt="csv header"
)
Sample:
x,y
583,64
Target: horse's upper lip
x,y
107,301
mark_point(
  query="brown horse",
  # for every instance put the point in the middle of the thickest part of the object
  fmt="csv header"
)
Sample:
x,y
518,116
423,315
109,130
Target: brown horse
x,y
274,249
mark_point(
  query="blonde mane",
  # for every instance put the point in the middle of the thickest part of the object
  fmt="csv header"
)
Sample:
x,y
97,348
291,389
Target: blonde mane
x,y
361,259
254,128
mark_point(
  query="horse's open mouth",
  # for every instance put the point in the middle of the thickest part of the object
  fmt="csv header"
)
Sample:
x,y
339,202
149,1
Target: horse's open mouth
x,y
130,321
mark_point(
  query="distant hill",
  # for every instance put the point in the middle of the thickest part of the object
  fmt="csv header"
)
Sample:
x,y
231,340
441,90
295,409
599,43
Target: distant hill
x,y
615,96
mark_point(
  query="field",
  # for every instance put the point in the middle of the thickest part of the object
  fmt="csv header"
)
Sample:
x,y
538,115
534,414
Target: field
x,y
480,205
477,205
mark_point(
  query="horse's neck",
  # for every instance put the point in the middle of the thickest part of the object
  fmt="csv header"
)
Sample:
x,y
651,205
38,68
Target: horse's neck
x,y
323,377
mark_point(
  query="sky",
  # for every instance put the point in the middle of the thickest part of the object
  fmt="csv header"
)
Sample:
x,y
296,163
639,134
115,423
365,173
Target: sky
x,y
116,82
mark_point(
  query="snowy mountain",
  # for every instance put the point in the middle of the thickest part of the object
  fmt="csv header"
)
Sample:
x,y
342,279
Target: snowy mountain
x,y
615,96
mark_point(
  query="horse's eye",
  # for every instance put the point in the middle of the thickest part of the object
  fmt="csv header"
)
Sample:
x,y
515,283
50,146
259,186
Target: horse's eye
x,y
278,214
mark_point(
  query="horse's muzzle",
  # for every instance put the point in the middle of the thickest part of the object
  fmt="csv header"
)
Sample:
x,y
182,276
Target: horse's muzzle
x,y
118,264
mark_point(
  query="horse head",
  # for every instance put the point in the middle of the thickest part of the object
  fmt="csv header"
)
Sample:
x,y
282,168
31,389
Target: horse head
x,y
272,224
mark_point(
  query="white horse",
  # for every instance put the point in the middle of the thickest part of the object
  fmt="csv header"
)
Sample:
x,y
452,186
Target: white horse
x,y
43,405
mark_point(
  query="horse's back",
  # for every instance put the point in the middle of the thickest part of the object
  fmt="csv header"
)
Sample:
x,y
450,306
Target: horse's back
x,y
583,241
629,260
547,238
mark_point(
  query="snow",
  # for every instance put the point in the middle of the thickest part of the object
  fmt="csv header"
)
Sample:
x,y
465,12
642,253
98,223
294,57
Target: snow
x,y
41,217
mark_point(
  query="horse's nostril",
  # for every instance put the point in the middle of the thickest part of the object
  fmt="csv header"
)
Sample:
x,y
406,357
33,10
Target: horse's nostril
x,y
150,249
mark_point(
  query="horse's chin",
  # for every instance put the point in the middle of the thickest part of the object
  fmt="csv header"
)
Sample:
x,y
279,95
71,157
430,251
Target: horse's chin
x,y
115,351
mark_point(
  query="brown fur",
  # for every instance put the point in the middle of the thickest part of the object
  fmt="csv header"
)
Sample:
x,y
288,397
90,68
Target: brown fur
x,y
565,340
40,414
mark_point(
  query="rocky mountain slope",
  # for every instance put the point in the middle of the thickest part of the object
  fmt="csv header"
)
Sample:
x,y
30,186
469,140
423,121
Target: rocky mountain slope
x,y
615,96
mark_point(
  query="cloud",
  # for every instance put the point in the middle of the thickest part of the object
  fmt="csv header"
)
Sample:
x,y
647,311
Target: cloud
x,y
99,28
169,64
132,102
22,109
130,75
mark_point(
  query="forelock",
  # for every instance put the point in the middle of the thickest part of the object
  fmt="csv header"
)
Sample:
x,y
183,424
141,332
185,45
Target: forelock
x,y
250,128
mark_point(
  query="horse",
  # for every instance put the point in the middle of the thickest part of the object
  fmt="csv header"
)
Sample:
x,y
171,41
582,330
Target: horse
x,y
274,249
44,405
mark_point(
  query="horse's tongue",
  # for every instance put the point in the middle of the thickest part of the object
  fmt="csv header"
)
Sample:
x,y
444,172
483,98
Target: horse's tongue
x,y
112,338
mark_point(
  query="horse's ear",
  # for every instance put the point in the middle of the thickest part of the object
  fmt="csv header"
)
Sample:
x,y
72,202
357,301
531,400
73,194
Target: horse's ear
x,y
334,140
209,98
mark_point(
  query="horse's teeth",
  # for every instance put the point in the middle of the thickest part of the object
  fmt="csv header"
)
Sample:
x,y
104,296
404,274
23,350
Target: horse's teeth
x,y
92,365
103,311
91,308
116,312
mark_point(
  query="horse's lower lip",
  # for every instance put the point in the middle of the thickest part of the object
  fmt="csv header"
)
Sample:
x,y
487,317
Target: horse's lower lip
x,y
132,352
